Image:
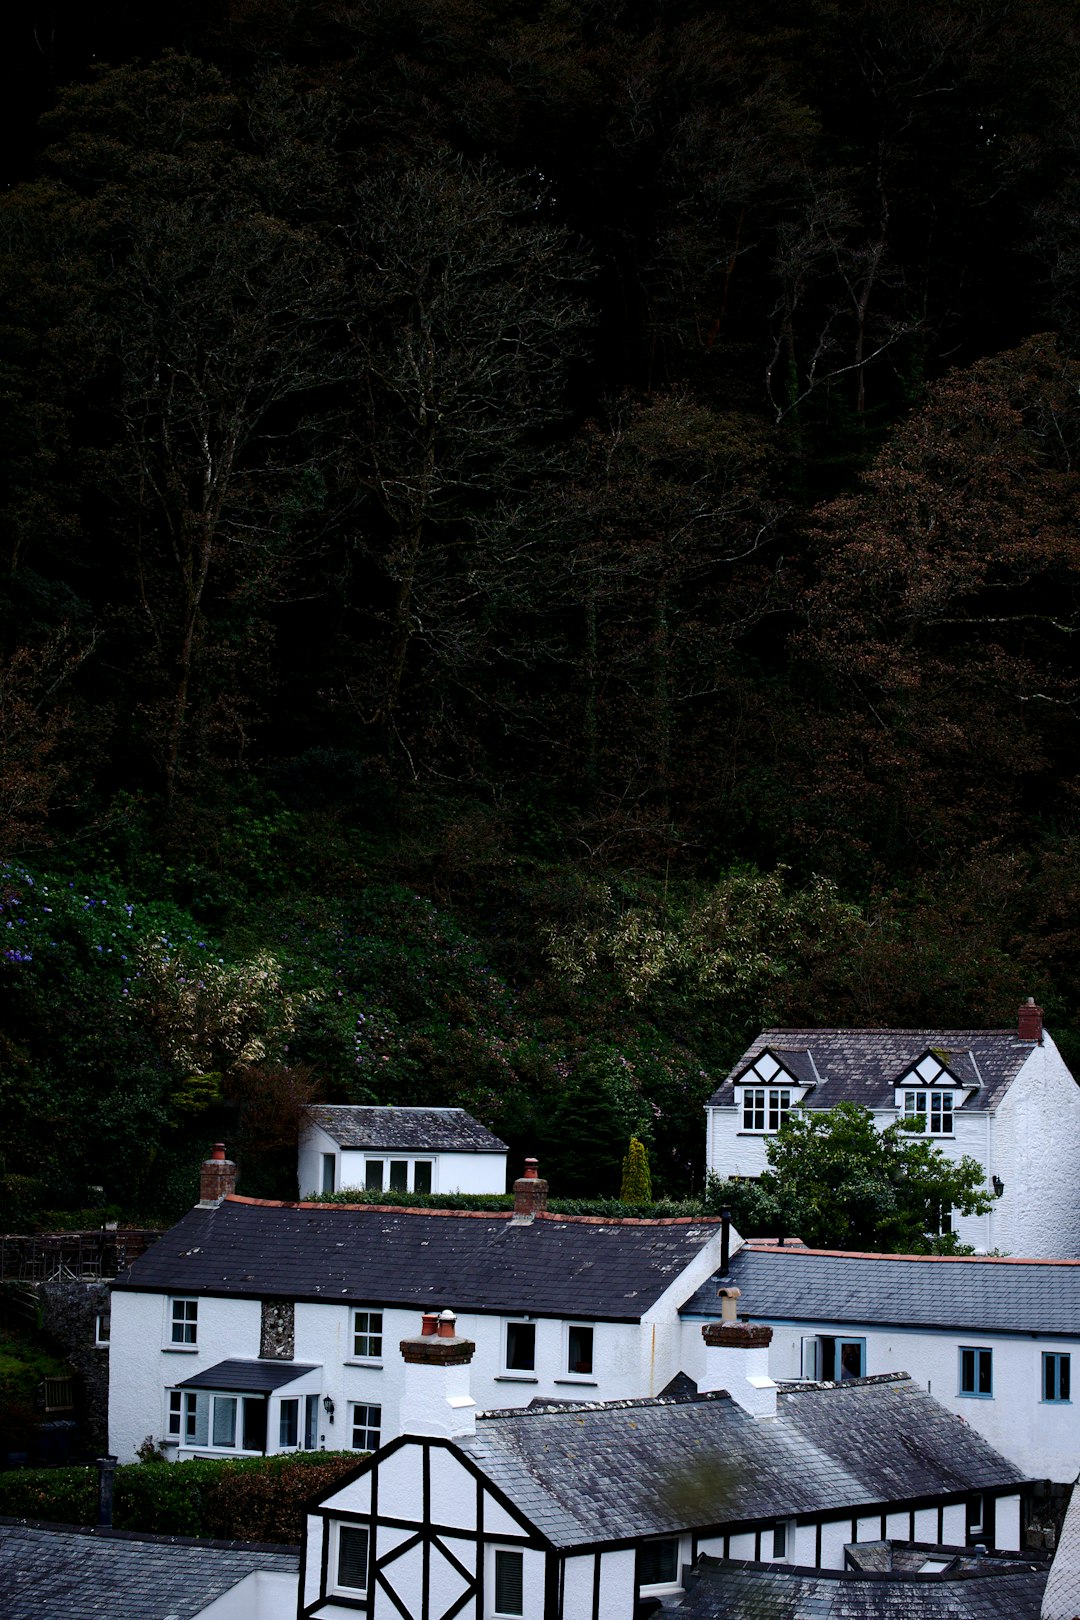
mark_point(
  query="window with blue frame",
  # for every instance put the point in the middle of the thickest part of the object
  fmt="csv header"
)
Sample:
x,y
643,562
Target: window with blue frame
x,y
1057,1381
976,1372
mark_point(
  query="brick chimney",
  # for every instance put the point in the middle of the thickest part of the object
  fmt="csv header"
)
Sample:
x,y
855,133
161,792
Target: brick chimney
x,y
217,1178
530,1193
737,1359
435,1398
1029,1023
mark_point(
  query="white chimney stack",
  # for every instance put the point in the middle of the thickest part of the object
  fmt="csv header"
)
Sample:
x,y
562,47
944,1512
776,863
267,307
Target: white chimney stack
x,y
737,1359
435,1398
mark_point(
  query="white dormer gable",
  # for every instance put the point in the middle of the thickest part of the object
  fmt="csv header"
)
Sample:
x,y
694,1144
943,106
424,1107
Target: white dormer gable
x,y
769,1088
930,1089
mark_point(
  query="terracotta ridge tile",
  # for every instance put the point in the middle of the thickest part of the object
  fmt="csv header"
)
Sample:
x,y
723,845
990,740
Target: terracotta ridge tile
x,y
479,1214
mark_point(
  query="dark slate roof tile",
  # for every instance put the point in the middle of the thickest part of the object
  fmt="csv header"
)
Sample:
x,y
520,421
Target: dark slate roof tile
x,y
247,1377
721,1589
863,1065
556,1266
626,1469
68,1574
977,1295
415,1129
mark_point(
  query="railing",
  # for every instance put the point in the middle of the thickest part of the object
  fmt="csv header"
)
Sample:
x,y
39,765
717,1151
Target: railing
x,y
58,1394
71,1256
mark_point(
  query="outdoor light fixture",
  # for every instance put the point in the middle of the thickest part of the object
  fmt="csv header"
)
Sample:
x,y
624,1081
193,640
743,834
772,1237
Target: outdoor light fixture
x,y
328,1407
998,1186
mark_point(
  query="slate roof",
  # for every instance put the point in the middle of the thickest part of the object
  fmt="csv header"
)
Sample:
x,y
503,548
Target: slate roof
x,y
723,1588
1062,1600
863,1065
625,1469
557,1266
414,1129
976,1295
247,1377
72,1574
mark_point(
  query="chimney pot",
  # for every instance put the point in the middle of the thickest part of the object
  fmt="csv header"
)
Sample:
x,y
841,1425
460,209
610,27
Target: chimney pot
x,y
217,1178
429,1323
447,1325
1029,1024
530,1193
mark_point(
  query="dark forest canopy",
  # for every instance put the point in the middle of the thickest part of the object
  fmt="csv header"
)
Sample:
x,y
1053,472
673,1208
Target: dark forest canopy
x,y
607,471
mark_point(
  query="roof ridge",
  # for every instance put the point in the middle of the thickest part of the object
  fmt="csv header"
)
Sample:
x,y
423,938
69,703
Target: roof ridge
x,y
628,1404
478,1214
803,1386
759,1246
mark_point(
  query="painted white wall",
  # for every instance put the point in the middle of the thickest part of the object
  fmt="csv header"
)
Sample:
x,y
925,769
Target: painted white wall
x,y
451,1172
630,1360
1041,1438
1031,1142
264,1595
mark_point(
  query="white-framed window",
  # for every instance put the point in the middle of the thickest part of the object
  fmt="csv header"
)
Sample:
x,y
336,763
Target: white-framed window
x,y
398,1175
289,1424
209,1420
329,1173
520,1343
366,1426
350,1544
367,1335
102,1326
579,1349
509,1582
832,1359
183,1322
933,1108
765,1108
783,1540
658,1565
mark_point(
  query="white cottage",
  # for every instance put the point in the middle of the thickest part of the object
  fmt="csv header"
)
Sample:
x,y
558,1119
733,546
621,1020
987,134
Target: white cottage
x,y
1003,1097
992,1339
424,1150
255,1327
588,1510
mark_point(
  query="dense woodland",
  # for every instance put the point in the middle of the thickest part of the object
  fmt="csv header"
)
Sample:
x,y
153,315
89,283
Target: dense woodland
x,y
535,540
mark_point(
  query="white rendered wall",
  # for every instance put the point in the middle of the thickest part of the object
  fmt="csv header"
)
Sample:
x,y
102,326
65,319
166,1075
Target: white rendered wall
x,y
1036,1143
264,1595
1041,1438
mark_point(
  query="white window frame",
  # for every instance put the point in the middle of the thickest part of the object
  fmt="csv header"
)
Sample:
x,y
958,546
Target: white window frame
x,y
328,1172
367,1426
185,1320
925,1103
295,1402
494,1555
335,1583
661,1588
386,1161
570,1370
518,1372
103,1320
184,1426
370,1333
771,1105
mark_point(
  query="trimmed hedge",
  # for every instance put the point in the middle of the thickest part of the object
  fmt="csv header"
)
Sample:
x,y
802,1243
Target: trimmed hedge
x,y
246,1499
608,1209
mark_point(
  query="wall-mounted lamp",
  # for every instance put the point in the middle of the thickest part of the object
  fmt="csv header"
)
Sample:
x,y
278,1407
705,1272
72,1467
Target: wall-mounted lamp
x,y
998,1186
328,1407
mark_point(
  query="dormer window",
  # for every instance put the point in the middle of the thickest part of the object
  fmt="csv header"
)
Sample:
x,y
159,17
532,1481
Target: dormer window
x,y
934,1108
765,1108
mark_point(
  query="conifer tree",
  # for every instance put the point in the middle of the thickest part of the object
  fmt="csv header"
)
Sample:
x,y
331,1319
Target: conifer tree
x,y
636,1176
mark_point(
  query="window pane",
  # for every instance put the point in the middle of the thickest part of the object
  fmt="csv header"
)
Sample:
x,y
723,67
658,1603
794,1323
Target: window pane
x,y
373,1174
399,1175
366,1426
224,1420
367,1334
1063,1378
311,1422
967,1372
985,1379
254,1423
509,1582
779,1541
422,1176
328,1172
176,1406
851,1358
520,1346
579,1349
658,1563
352,1557
289,1425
